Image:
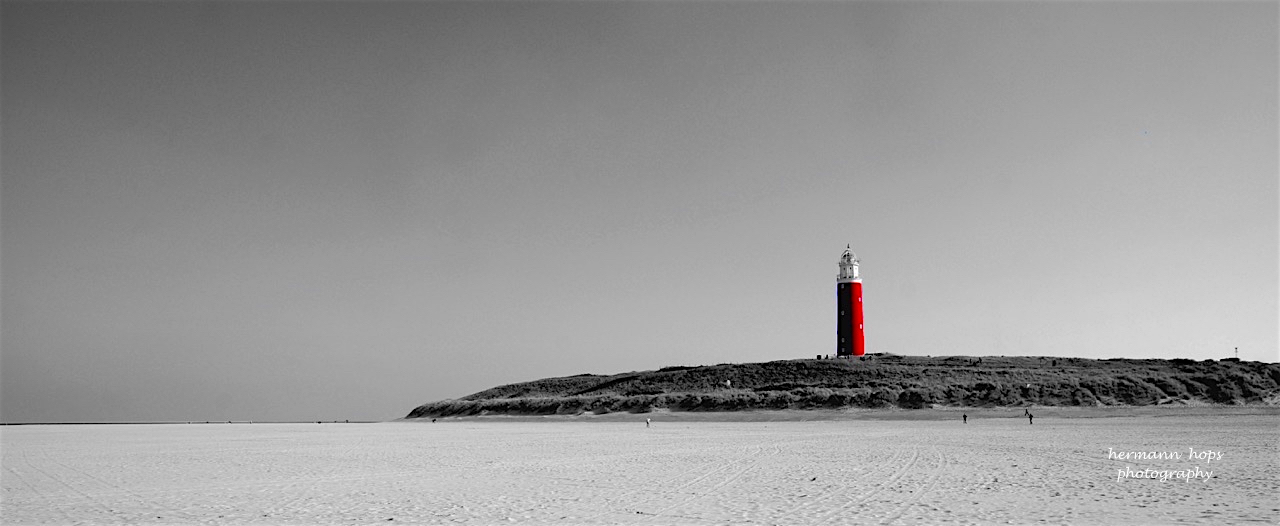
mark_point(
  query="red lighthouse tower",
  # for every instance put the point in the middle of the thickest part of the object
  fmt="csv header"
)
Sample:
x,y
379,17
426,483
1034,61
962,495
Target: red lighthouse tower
x,y
849,340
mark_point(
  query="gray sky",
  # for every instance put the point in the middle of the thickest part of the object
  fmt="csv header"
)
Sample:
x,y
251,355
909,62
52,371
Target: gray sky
x,y
302,211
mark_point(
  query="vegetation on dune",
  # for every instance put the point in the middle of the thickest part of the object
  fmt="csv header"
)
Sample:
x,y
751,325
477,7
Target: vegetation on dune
x,y
881,381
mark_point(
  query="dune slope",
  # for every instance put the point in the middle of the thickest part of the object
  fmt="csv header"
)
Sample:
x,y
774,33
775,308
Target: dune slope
x,y
878,381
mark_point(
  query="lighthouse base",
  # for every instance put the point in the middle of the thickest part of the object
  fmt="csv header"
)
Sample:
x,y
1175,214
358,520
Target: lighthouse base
x,y
849,337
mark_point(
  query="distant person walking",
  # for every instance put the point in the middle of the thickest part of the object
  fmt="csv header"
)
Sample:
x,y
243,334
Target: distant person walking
x,y
965,417
1031,419
646,423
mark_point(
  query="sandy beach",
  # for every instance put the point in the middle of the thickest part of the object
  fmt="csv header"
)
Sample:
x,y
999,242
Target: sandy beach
x,y
995,469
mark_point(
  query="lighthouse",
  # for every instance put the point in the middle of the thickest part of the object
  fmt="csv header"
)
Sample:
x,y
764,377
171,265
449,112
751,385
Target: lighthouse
x,y
849,341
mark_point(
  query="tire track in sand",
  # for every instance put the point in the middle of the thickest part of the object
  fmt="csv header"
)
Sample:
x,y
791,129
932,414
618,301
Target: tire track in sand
x,y
113,490
917,495
659,490
661,484
74,490
836,492
53,504
897,475
754,461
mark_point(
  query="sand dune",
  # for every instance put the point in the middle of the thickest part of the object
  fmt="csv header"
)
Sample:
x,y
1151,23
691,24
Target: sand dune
x,y
992,470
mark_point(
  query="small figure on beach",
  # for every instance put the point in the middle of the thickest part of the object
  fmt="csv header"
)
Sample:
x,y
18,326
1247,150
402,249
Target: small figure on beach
x,y
1031,418
646,422
965,417
433,420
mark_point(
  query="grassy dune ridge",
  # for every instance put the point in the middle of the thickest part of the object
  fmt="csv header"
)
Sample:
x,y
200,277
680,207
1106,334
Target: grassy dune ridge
x,y
882,381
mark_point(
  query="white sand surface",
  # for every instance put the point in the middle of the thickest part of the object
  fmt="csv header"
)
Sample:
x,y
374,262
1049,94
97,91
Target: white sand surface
x,y
992,470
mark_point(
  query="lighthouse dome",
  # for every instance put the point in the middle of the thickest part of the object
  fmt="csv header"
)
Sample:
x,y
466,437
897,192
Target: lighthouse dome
x,y
848,266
